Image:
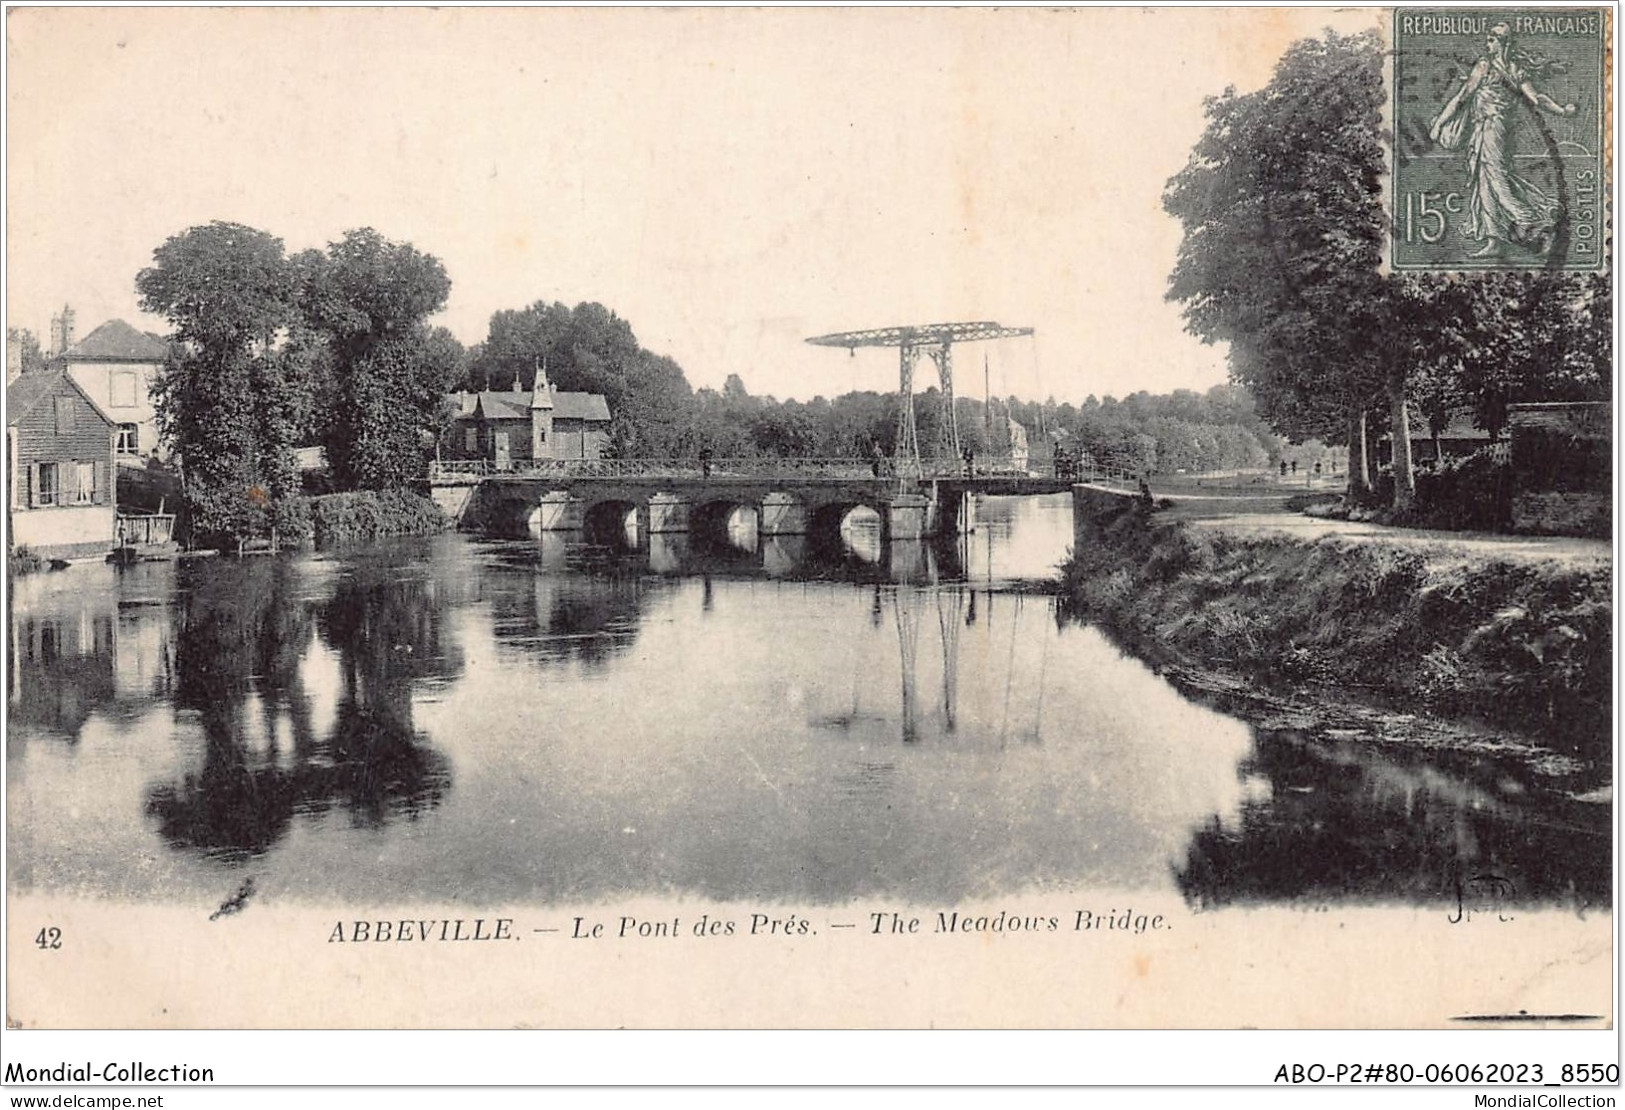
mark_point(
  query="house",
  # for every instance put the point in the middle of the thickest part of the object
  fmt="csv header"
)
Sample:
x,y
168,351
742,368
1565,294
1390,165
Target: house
x,y
1457,439
507,427
117,366
60,470
1562,456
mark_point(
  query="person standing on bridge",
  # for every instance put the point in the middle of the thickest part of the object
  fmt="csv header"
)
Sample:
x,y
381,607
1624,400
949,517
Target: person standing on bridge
x,y
705,462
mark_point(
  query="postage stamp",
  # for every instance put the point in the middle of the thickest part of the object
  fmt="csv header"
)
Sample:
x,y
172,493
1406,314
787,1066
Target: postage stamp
x,y
1499,119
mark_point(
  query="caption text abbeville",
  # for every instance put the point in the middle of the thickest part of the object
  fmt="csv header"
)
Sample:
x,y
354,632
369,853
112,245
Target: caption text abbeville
x,y
880,923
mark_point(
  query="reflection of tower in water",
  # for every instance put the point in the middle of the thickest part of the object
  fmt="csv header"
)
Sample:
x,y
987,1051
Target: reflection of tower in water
x,y
908,643
956,610
948,623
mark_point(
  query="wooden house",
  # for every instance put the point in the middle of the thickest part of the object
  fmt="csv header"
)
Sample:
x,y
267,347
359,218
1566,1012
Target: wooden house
x,y
117,366
508,428
60,469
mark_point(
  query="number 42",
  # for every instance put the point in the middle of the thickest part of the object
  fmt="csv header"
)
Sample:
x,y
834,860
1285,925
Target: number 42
x,y
49,937
1418,212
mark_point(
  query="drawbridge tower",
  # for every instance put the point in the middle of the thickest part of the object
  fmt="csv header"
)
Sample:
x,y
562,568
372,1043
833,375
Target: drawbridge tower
x,y
936,340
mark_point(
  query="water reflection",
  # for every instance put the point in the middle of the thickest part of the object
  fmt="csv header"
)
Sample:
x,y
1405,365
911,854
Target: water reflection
x,y
727,540
61,669
244,633
1328,821
740,717
589,615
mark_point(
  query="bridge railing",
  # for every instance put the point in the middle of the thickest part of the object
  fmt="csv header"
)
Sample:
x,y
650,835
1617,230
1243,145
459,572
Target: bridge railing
x,y
472,470
1084,468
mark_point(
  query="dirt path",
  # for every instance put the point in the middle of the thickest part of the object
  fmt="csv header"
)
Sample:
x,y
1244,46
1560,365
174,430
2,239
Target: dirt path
x,y
1440,546
1248,511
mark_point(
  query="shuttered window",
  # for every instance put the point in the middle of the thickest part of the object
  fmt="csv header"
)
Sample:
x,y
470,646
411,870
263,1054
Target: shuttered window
x,y
64,415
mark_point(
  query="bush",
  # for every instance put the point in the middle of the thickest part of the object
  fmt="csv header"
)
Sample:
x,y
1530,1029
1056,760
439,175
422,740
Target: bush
x,y
23,561
1379,495
340,518
291,519
1474,492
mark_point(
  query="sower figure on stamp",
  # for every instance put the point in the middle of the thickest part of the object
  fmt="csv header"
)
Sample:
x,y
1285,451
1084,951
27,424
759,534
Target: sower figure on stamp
x,y
1502,206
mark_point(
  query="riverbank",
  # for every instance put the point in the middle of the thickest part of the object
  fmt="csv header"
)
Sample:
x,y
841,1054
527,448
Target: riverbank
x,y
1515,643
366,515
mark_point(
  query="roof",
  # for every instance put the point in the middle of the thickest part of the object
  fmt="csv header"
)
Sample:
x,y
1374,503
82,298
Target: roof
x,y
1460,427
23,394
505,404
496,404
580,406
116,341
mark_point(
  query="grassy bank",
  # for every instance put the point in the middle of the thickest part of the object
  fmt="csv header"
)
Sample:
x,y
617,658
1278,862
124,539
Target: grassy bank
x,y
1522,645
340,518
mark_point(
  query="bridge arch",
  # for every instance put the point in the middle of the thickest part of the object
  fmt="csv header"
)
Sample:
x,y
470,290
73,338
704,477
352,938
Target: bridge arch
x,y
729,520
609,522
825,522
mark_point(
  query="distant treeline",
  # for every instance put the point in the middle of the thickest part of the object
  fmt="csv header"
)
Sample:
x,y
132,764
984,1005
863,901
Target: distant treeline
x,y
271,352
1183,430
657,413
1167,432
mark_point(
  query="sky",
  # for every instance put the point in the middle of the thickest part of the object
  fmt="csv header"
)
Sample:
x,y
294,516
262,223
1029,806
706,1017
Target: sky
x,y
730,182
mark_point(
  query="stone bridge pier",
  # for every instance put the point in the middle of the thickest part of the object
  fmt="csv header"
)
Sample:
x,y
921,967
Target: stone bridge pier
x,y
521,505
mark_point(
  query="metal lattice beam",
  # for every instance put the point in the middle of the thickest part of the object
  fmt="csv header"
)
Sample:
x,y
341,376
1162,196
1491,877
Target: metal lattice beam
x,y
937,340
918,335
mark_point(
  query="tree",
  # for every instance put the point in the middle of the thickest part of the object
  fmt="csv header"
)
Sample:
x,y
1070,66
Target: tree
x,y
1281,202
591,349
230,402
1283,229
1533,337
444,355
30,358
370,296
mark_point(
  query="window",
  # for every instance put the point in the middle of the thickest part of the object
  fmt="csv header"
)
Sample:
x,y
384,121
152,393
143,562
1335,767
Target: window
x,y
471,439
84,485
45,488
129,440
64,414
123,390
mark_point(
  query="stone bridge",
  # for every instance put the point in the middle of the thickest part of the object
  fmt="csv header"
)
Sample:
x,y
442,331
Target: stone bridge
x,y
519,504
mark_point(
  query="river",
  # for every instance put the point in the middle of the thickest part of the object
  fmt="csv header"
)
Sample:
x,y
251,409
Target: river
x,y
539,722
